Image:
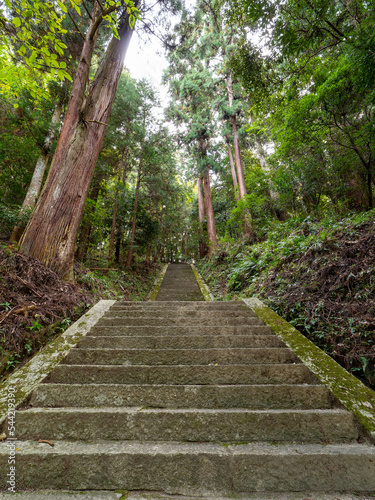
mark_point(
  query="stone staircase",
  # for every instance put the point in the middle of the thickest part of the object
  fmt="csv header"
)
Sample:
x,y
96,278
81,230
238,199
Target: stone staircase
x,y
189,398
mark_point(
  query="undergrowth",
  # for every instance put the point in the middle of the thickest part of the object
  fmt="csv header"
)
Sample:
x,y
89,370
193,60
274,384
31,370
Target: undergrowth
x,y
35,305
318,273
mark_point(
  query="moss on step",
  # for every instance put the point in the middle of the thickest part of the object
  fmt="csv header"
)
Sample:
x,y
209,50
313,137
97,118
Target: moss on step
x,y
155,290
352,394
202,285
30,375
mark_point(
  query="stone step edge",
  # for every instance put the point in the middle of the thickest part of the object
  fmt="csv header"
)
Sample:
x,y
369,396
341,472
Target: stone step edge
x,y
155,289
161,495
351,392
176,447
349,467
22,382
202,285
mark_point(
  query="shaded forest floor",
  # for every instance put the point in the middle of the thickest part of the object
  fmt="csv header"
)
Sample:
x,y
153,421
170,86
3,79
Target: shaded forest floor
x,y
317,274
35,305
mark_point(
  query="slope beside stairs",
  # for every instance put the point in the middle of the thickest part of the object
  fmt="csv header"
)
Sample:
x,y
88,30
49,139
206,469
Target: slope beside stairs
x,y
192,398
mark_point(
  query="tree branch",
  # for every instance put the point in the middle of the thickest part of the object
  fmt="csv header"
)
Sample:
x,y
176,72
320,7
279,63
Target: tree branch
x,y
75,24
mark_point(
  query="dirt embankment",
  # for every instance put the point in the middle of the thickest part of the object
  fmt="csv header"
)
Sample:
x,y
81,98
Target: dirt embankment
x,y
36,305
319,278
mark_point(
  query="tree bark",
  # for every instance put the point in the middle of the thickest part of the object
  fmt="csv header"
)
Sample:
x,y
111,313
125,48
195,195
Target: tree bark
x,y
232,169
211,229
51,233
40,168
132,237
202,243
237,156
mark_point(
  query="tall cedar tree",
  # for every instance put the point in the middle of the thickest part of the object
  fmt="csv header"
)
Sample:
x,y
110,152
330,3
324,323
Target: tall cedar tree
x,y
51,233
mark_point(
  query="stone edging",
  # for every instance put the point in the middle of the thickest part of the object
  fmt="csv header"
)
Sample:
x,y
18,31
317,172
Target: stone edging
x,y
155,289
202,285
350,391
32,373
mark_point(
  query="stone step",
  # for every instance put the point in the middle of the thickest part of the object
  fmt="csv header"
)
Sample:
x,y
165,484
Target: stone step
x,y
185,314
153,331
177,305
257,397
166,294
183,375
200,469
159,495
178,321
139,424
181,342
79,356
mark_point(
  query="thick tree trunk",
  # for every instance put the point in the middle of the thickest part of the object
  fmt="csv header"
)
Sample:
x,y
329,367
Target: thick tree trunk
x,y
132,234
40,168
236,144
237,156
51,233
211,229
232,169
202,244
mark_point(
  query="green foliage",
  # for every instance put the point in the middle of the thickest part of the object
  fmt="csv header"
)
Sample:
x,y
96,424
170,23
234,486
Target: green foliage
x,y
316,272
13,216
35,326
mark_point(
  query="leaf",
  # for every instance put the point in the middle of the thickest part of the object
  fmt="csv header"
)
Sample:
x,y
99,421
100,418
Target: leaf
x,y
17,22
62,6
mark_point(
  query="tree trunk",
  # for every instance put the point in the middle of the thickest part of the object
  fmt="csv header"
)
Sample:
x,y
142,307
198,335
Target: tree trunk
x,y
84,239
51,233
202,243
236,144
162,251
121,175
237,156
40,168
132,237
148,255
118,247
211,229
232,169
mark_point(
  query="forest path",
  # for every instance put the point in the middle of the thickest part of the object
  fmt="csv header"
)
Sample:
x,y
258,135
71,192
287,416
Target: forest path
x,y
188,398
179,284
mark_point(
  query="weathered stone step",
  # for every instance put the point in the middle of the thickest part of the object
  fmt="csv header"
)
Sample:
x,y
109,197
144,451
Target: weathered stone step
x,y
159,495
179,321
177,305
186,425
257,397
183,375
181,342
166,294
256,329
182,314
192,468
79,356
